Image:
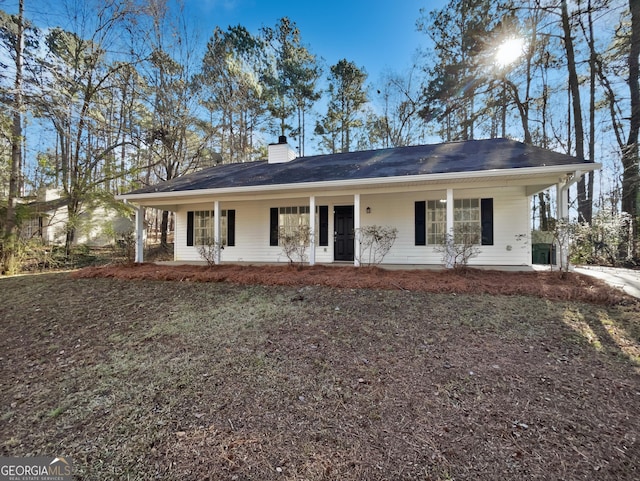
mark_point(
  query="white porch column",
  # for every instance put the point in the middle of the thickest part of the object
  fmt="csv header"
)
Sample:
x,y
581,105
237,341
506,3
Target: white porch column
x,y
450,228
562,214
216,232
141,234
312,230
356,228
562,196
450,211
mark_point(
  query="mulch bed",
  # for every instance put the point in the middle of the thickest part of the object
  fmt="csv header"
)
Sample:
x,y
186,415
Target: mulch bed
x,y
548,285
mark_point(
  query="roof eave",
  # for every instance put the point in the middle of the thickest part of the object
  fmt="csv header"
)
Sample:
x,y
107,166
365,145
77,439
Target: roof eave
x,y
369,182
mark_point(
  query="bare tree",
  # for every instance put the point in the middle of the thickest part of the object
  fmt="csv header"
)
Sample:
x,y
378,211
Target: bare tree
x,y
176,139
585,202
77,79
9,244
398,124
630,180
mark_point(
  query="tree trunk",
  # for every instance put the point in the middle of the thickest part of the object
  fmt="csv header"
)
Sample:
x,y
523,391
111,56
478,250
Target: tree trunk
x,y
584,203
302,134
10,241
630,152
544,212
592,108
164,228
73,208
503,112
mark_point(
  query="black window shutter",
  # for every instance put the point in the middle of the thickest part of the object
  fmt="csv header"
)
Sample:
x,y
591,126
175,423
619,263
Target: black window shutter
x,y
421,223
324,225
231,227
486,219
190,228
273,227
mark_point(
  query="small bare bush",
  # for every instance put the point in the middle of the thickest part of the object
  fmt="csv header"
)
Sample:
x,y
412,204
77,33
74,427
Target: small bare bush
x,y
375,243
125,246
294,243
210,252
564,234
461,246
122,231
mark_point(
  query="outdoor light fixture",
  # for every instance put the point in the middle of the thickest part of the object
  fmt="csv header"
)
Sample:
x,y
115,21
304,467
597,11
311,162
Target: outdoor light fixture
x,y
368,210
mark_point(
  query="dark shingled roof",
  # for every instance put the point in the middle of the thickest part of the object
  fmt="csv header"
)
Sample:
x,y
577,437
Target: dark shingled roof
x,y
468,156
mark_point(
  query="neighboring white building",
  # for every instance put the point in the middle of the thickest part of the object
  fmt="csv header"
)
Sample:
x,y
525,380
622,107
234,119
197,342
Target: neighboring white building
x,y
98,224
423,191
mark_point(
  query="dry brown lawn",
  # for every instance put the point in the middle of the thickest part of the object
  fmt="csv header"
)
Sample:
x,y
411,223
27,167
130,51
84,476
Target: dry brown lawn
x,y
278,373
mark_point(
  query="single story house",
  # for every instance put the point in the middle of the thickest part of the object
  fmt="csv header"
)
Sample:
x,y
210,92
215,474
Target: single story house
x,y
423,191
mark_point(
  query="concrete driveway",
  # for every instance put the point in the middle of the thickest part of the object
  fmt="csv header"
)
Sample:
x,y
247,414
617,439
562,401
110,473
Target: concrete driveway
x,y
626,279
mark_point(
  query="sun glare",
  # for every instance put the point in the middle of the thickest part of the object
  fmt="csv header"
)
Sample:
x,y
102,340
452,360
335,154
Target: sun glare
x,y
509,51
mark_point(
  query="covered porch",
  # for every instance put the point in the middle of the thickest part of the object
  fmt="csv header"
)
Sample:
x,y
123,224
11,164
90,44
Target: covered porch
x,y
339,214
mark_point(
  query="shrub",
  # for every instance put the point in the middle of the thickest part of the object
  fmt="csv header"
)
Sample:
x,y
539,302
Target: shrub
x,y
210,252
606,241
13,253
125,246
294,243
459,247
375,242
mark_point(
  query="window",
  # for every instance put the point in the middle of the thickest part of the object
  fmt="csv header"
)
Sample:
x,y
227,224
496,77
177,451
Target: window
x,y
203,227
472,221
466,221
200,227
31,228
436,221
285,220
291,218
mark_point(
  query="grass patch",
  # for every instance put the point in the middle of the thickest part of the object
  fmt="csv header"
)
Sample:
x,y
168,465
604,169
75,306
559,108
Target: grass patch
x,y
54,413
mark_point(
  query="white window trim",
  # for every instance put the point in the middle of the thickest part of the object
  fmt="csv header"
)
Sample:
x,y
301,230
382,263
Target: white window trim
x,y
199,238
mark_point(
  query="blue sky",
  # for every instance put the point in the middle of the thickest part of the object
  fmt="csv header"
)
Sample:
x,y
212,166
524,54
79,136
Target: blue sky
x,y
378,35
375,34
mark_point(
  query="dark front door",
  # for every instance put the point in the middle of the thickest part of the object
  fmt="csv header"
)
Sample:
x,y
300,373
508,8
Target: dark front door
x,y
343,246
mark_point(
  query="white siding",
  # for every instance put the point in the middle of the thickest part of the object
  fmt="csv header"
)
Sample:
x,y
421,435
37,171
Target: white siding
x,y
511,227
511,232
96,226
252,233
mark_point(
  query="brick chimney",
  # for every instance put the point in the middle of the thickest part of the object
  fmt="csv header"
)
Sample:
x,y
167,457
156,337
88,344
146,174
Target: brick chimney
x,y
281,152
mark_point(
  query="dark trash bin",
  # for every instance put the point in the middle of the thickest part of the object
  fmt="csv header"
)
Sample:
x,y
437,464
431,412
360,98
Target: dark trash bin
x,y
543,254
